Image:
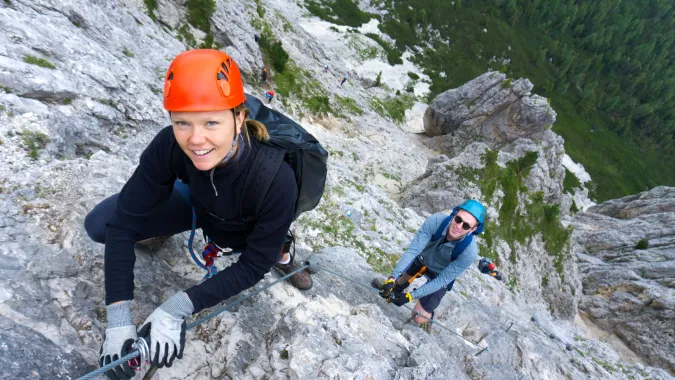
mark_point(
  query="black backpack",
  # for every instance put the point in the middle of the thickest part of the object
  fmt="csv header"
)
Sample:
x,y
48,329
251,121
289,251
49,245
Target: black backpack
x,y
288,142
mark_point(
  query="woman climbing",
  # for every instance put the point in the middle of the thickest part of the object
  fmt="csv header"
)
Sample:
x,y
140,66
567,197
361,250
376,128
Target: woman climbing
x,y
216,145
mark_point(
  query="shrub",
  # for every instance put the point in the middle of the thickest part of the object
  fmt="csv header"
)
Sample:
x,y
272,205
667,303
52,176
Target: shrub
x,y
259,8
506,83
34,141
152,6
185,36
274,52
570,182
128,52
319,104
378,81
343,12
413,76
393,55
642,244
38,61
199,13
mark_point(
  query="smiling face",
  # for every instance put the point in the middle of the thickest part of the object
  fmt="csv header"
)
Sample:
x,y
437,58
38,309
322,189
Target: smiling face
x,y
456,230
206,137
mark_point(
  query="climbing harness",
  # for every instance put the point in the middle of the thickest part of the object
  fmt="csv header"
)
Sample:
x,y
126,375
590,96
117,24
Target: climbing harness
x,y
209,254
137,352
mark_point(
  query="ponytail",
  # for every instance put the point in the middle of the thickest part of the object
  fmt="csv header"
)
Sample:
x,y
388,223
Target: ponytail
x,y
252,127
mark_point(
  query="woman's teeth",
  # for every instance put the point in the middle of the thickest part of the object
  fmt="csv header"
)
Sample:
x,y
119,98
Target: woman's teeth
x,y
201,152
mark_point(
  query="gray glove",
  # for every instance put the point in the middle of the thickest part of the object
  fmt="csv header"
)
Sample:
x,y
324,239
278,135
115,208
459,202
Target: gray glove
x,y
166,326
119,336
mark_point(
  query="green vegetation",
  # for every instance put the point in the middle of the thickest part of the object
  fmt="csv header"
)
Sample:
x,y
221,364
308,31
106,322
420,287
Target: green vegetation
x,y
413,76
603,64
259,8
393,55
33,142
152,6
38,61
519,224
185,36
302,86
342,12
347,104
570,182
605,365
199,13
574,209
273,52
128,52
393,107
642,244
67,101
506,83
378,80
283,354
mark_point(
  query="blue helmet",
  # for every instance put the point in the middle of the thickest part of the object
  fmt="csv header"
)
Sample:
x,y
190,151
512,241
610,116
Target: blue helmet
x,y
474,208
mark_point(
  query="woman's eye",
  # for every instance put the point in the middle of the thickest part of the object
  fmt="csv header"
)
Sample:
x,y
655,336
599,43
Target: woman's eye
x,y
181,124
212,123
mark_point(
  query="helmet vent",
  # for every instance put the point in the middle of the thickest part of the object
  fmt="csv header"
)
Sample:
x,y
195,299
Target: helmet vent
x,y
229,63
222,75
225,68
170,76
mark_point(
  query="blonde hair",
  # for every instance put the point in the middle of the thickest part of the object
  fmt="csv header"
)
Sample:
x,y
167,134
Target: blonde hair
x,y
252,127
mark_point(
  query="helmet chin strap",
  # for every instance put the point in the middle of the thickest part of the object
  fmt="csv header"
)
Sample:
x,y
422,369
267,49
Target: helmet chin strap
x,y
235,140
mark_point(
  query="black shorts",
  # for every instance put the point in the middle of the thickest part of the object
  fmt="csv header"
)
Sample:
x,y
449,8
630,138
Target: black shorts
x,y
429,302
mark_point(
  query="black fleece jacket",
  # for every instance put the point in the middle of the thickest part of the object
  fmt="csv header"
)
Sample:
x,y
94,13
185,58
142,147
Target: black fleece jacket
x,y
219,216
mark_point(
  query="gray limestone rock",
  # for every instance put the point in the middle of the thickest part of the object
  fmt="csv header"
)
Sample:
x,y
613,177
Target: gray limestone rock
x,y
627,290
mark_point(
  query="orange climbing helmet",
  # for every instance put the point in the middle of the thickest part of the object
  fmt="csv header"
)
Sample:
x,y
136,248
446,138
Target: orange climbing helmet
x,y
203,80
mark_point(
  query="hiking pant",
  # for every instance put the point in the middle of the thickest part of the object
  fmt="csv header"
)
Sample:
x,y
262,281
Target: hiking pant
x,y
173,217
429,302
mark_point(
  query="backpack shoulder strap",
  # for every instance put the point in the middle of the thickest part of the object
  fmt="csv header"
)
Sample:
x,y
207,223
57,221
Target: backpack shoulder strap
x,y
460,247
440,229
265,166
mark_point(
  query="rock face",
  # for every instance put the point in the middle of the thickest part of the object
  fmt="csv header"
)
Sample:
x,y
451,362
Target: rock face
x,y
627,290
488,109
74,120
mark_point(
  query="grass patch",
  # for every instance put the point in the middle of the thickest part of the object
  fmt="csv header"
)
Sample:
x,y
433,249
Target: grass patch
x,y
273,51
519,224
152,7
413,76
393,107
347,104
605,365
393,55
38,62
128,52
185,36
34,141
199,13
302,85
259,8
341,12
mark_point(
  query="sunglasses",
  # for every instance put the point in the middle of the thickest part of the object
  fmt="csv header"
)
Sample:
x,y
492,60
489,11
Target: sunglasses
x,y
465,225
